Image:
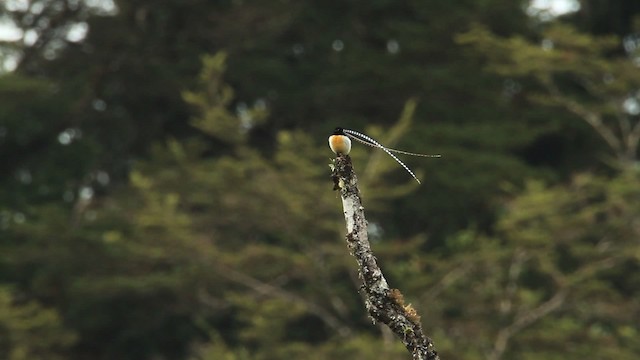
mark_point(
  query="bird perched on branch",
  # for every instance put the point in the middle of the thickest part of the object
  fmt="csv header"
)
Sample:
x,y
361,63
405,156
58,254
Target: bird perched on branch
x,y
340,143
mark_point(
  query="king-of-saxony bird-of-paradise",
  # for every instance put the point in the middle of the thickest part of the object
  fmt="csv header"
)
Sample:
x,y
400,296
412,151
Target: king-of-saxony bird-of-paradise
x,y
340,143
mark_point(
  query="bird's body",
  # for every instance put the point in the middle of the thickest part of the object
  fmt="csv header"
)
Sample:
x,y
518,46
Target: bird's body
x,y
339,142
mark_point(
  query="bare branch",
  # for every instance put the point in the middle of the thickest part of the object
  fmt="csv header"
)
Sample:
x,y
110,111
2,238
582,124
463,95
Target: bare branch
x,y
384,304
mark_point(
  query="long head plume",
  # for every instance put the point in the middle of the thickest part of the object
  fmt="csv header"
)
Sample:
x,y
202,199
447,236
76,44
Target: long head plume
x,y
371,142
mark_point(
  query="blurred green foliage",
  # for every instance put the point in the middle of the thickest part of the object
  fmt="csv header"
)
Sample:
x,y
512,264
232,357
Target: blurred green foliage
x,y
165,190
30,331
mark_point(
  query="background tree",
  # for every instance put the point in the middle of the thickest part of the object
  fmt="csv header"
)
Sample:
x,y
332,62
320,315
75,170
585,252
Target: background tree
x,y
577,73
30,331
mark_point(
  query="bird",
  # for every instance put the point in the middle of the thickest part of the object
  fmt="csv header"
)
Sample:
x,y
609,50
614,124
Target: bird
x,y
340,144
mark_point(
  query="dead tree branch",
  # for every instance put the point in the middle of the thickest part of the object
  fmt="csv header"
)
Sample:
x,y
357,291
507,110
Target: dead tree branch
x,y
383,304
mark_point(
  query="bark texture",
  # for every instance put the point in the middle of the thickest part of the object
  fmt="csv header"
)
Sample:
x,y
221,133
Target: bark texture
x,y
383,304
